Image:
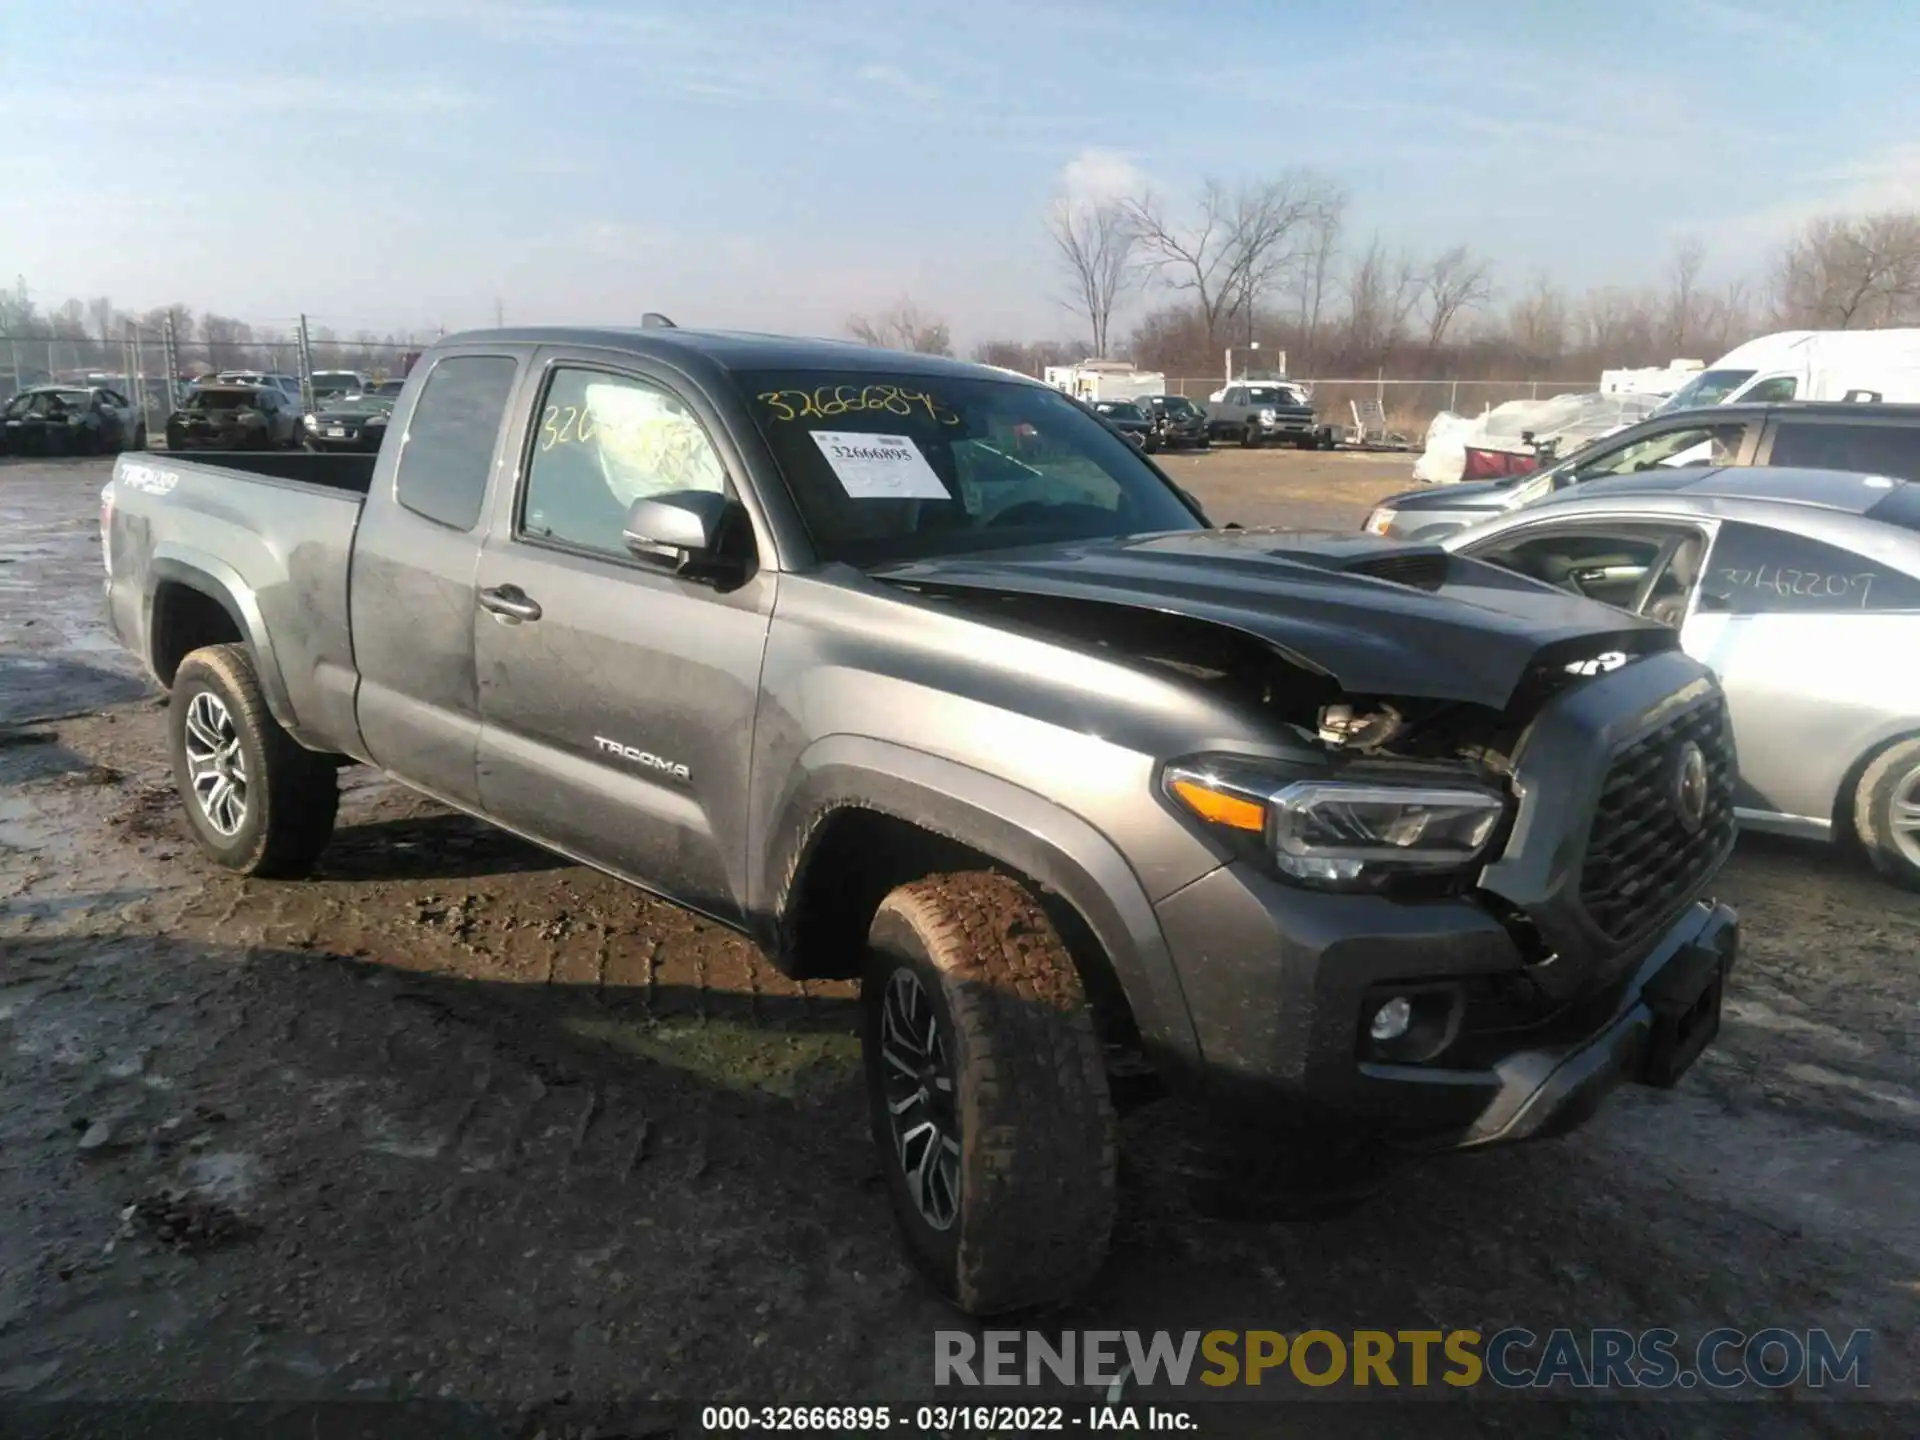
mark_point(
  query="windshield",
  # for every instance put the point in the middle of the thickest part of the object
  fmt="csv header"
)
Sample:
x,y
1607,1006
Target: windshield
x,y
361,405
1178,405
1120,410
887,468
1709,387
1271,395
221,400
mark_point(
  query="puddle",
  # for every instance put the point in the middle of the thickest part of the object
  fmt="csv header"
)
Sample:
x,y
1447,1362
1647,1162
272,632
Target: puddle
x,y
734,1056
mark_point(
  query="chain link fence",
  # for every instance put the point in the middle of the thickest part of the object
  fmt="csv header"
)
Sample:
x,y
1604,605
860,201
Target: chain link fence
x,y
155,364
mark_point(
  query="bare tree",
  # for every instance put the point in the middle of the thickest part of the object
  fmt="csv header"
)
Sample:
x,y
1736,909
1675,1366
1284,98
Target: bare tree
x,y
1537,322
1316,268
1236,246
1457,280
1841,272
903,327
1382,292
1683,294
1096,245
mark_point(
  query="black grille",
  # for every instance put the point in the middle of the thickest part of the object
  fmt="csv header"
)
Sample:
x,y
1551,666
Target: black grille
x,y
1642,862
1422,569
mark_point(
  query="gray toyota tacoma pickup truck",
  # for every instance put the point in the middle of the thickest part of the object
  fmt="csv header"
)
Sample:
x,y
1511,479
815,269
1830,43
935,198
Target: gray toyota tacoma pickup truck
x,y
915,673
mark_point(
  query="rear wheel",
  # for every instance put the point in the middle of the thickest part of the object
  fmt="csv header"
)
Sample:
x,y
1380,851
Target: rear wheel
x,y
987,1092
257,800
1886,813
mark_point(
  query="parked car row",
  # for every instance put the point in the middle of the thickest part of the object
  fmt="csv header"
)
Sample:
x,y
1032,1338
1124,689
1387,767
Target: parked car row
x,y
252,410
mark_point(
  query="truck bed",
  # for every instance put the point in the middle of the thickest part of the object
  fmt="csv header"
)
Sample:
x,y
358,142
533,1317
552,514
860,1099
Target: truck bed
x,y
350,472
268,537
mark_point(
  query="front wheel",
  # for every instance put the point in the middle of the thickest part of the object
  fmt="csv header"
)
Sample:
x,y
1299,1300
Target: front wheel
x,y
1250,437
1886,813
258,801
987,1093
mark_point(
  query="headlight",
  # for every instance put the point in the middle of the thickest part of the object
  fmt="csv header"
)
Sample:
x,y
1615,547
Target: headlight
x,y
1380,521
1266,417
373,420
310,422
1343,834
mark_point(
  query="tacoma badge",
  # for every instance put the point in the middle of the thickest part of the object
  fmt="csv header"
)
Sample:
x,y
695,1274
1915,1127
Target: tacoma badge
x,y
642,757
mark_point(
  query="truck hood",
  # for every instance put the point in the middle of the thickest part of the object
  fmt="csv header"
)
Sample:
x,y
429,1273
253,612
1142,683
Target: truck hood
x,y
1450,628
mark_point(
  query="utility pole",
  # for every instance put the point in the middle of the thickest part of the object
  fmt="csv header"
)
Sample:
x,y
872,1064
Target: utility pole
x,y
170,352
306,365
499,314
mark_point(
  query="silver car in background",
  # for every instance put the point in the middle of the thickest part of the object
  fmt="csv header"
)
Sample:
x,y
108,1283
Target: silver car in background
x,y
1801,589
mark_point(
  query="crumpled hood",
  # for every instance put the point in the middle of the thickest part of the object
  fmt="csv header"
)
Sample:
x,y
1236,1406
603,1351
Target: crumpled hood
x,y
1468,632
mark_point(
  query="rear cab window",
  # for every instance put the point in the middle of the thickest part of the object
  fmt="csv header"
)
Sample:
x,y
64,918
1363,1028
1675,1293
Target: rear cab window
x,y
447,453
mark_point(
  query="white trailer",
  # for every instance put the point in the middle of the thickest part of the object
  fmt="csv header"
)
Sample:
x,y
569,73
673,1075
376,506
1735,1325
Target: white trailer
x,y
1093,380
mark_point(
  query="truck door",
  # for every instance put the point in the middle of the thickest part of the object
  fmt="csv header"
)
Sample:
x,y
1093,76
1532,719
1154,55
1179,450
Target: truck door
x,y
412,589
617,699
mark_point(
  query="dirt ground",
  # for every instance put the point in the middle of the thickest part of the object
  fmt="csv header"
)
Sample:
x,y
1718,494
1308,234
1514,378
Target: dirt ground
x,y
459,1119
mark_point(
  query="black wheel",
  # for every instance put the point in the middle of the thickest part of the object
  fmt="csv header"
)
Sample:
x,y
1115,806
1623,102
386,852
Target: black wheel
x,y
1326,440
140,436
259,802
988,1093
1886,813
1250,437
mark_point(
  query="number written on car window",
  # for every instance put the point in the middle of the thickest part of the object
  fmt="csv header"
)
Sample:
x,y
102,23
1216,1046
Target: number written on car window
x,y
1758,570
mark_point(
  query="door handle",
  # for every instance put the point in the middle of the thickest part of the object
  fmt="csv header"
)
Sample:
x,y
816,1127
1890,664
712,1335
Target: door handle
x,y
511,602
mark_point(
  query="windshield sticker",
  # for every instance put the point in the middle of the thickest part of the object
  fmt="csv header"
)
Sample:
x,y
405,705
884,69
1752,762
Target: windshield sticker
x,y
879,467
830,401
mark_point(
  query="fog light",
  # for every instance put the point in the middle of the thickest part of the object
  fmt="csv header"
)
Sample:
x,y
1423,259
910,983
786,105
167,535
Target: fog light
x,y
1392,1019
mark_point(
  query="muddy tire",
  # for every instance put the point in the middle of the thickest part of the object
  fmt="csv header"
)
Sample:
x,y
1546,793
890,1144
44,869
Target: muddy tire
x,y
258,801
1886,813
1250,438
975,1026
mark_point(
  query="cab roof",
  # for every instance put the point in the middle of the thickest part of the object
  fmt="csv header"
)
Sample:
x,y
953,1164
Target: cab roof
x,y
735,349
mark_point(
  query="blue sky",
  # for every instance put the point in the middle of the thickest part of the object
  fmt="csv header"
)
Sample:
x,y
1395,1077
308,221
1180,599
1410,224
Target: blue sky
x,y
406,162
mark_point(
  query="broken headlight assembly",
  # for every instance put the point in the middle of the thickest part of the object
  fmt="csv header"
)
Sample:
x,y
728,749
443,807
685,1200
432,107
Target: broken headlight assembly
x,y
1344,834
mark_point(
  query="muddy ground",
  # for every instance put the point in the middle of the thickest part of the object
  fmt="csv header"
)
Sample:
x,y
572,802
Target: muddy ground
x,y
457,1118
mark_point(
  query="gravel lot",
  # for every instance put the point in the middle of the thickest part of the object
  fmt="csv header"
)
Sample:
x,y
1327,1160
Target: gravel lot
x,y
457,1118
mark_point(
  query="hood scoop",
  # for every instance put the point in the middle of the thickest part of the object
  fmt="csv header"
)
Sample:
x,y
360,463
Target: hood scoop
x,y
1422,569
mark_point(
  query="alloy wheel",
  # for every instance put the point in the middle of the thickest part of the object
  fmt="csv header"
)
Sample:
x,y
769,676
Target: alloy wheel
x,y
917,1081
216,766
1903,816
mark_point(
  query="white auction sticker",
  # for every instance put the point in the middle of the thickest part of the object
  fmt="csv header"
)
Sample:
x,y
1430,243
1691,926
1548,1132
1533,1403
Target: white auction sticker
x,y
879,467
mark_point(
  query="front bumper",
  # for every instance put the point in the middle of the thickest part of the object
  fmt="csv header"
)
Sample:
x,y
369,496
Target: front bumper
x,y
1553,978
1282,1043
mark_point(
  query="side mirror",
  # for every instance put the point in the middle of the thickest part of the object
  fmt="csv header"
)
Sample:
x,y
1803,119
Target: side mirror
x,y
681,528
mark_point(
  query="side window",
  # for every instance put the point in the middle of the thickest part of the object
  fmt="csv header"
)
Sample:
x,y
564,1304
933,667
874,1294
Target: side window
x,y
450,439
1758,570
1771,392
602,442
1827,445
1686,445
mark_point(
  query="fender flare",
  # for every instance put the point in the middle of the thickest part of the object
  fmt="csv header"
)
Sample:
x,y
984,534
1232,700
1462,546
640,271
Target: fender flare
x,y
1001,820
182,565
